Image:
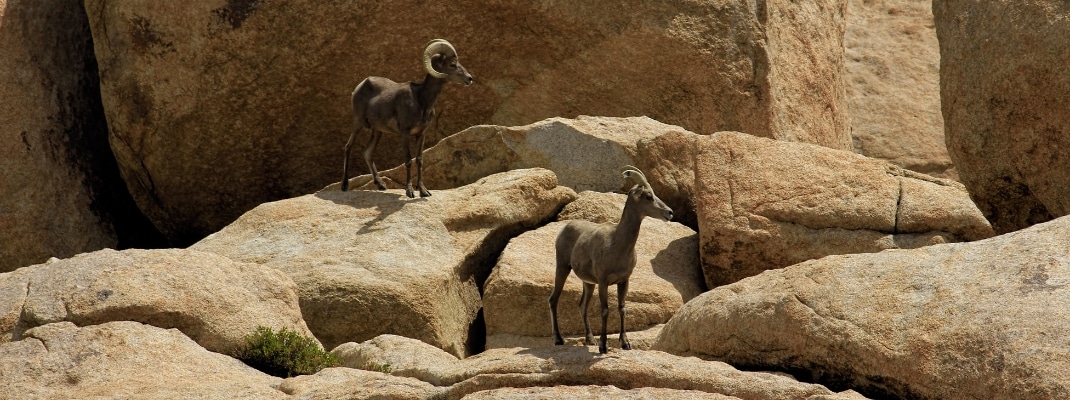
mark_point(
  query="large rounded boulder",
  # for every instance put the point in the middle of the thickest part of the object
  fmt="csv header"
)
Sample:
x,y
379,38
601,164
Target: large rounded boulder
x,y
985,319
1003,85
264,87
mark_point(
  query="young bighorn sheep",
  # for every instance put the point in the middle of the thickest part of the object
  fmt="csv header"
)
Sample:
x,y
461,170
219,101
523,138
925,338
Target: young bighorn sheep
x,y
383,105
604,254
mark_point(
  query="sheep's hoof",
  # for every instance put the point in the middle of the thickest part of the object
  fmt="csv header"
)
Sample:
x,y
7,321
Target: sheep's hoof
x,y
588,341
625,346
424,193
345,185
603,349
409,193
559,342
380,185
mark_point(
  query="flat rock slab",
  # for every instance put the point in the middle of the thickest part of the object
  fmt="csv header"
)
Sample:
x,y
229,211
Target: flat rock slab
x,y
986,319
123,360
592,392
553,366
349,383
210,298
368,262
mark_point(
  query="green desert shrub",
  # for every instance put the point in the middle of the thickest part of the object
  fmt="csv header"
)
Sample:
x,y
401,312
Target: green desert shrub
x,y
284,354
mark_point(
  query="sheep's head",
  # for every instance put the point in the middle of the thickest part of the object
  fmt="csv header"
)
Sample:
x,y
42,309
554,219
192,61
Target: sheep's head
x,y
440,60
642,195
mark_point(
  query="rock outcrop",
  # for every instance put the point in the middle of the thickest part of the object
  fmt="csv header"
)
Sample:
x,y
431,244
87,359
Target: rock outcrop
x,y
572,366
956,321
667,274
368,262
1003,86
763,204
62,193
586,153
264,87
893,84
211,299
123,360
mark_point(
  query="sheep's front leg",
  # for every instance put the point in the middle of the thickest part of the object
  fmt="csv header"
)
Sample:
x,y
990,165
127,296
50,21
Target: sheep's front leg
x,y
408,166
588,289
603,297
622,290
420,168
374,141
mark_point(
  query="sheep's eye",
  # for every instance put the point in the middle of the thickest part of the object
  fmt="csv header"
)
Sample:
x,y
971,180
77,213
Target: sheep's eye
x,y
648,196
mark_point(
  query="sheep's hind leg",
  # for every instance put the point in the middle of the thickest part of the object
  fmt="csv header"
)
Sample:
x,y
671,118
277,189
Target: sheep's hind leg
x,y
563,270
374,141
345,162
622,290
408,167
588,289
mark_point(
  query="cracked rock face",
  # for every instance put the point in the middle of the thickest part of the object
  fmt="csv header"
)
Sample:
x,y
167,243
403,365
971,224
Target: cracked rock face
x,y
985,319
762,204
211,299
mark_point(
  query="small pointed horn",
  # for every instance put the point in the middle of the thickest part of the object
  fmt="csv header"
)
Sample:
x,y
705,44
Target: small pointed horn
x,y
635,175
437,46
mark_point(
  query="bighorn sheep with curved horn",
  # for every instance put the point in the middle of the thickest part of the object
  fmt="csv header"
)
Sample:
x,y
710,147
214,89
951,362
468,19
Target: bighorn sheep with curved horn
x,y
604,254
383,105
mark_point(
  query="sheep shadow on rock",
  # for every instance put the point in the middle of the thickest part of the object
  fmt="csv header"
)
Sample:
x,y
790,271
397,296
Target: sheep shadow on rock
x,y
387,202
667,265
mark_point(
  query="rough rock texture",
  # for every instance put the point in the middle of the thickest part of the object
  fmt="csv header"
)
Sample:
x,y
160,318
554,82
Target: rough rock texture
x,y
346,383
667,274
123,360
957,321
893,84
573,365
264,86
1003,85
369,262
211,299
62,194
592,392
586,153
595,207
765,204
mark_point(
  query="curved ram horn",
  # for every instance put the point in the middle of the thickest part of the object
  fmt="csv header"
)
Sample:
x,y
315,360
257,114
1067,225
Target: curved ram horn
x,y
437,46
635,175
